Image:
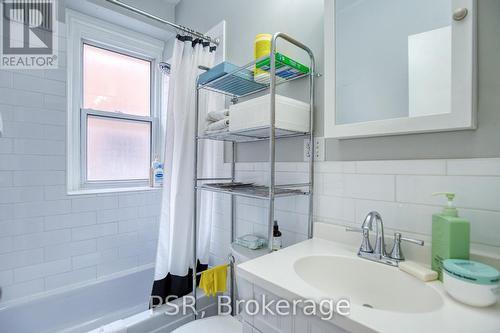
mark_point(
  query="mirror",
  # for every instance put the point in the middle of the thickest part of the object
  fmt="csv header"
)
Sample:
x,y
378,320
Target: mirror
x,y
398,66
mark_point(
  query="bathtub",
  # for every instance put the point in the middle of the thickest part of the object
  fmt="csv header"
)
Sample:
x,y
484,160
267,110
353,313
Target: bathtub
x,y
81,308
86,308
157,321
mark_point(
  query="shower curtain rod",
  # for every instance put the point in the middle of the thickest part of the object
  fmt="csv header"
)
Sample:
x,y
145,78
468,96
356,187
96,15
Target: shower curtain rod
x,y
158,19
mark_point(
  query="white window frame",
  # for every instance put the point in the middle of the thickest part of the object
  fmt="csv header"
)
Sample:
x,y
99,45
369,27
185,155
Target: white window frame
x,y
83,29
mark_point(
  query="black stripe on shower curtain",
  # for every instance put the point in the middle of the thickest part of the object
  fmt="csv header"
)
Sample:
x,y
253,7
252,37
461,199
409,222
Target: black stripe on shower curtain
x,y
173,285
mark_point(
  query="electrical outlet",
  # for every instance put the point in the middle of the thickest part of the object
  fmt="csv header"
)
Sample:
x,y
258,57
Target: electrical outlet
x,y
318,149
307,150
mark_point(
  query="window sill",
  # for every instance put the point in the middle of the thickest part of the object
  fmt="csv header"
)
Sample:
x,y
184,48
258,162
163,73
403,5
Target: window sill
x,y
114,190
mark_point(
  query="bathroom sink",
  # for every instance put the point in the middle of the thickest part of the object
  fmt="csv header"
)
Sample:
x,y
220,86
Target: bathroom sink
x,y
368,284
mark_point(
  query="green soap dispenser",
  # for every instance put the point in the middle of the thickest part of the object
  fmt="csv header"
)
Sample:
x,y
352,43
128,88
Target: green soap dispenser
x,y
450,236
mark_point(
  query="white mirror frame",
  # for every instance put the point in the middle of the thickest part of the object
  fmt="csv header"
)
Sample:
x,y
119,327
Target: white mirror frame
x,y
463,103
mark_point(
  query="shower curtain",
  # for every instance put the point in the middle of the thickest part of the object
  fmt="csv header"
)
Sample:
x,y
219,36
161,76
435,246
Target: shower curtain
x,y
173,270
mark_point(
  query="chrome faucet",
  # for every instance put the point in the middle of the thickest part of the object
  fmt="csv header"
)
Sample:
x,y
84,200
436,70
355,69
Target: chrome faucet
x,y
379,252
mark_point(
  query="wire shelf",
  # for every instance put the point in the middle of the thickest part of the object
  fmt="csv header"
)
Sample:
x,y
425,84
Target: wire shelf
x,y
249,135
241,82
252,191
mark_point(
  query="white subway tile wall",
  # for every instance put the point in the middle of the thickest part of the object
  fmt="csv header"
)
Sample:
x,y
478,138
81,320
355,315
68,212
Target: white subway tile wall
x,y
48,239
402,192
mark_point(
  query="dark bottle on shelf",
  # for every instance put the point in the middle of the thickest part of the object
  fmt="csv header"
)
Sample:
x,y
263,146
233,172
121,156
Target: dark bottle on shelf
x,y
276,237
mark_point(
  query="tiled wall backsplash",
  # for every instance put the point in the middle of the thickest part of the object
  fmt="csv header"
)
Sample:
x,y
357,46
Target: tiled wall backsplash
x,y
48,239
402,192
346,191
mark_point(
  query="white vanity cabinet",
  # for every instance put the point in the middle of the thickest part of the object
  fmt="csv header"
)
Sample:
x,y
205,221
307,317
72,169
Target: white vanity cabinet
x,y
309,324
259,323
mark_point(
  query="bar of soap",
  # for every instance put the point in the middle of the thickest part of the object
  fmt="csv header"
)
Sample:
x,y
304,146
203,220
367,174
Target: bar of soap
x,y
417,270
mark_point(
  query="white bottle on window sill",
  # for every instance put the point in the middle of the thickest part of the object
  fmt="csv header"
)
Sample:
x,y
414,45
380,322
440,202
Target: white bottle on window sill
x,y
157,173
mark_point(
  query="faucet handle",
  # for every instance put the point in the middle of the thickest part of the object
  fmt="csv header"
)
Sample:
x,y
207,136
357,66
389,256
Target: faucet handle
x,y
396,252
365,244
413,240
353,229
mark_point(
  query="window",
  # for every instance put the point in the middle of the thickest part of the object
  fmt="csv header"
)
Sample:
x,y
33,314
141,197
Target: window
x,y
117,122
114,99
115,82
117,149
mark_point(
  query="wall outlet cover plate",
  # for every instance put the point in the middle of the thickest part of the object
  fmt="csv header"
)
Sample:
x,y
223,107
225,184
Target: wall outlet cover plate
x,y
318,149
307,150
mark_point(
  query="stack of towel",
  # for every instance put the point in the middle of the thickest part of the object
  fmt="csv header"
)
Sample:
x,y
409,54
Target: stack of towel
x,y
217,120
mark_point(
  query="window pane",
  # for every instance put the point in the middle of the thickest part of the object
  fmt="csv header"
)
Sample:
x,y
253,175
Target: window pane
x,y
115,82
117,149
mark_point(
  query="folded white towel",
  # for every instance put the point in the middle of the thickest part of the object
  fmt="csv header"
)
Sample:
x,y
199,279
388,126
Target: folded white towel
x,y
218,125
217,115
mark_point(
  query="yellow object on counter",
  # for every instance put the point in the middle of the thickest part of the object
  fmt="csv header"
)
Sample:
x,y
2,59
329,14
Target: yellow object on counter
x,y
213,280
262,48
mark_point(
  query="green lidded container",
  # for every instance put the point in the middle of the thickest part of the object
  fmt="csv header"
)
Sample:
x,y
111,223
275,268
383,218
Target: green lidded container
x,y
471,271
471,282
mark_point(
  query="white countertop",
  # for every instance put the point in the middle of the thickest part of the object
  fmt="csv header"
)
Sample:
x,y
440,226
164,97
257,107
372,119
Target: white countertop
x,y
275,272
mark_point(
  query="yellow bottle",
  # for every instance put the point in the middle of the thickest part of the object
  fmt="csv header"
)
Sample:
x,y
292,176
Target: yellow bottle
x,y
262,48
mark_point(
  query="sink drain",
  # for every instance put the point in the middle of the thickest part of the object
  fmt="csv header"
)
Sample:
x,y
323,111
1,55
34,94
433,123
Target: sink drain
x,y
368,306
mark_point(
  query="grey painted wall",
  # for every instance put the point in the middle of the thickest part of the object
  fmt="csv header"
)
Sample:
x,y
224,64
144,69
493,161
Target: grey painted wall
x,y
304,20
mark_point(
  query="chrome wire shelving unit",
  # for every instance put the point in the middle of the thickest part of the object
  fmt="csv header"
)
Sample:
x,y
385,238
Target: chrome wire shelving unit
x,y
238,84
